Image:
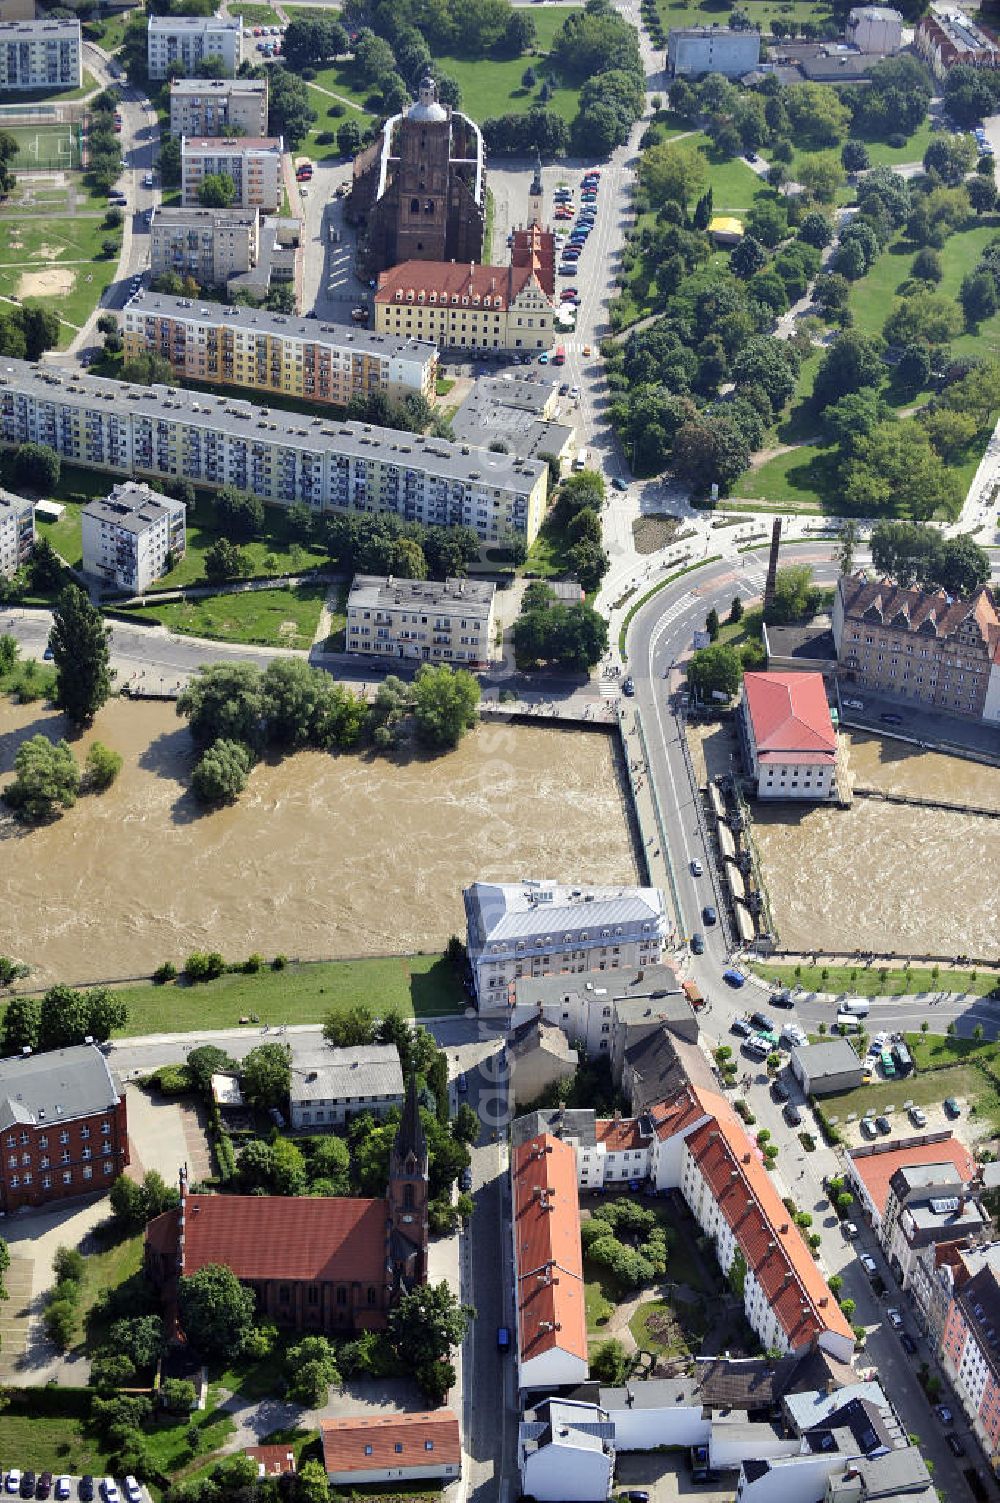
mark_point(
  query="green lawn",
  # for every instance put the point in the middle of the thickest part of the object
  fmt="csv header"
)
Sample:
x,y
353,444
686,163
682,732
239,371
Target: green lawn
x,y
865,981
924,1089
28,242
107,1269
547,554
493,86
303,992
761,12
50,1442
168,1437
268,618
794,481
255,15
109,31
600,1299
74,305
882,155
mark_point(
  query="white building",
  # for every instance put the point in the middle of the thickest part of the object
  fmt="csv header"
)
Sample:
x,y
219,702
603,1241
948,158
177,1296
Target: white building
x,y
205,106
17,532
606,1014
551,1313
566,1450
346,1082
132,537
253,163
392,1448
42,54
542,928
693,50
186,40
789,744
422,620
875,28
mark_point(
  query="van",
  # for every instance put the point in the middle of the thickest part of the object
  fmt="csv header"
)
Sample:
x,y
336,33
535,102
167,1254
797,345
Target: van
x,y
857,1007
580,462
756,1048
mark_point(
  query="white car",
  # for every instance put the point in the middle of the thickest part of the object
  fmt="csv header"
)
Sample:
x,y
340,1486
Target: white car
x,y
894,1318
868,1264
133,1491
109,1490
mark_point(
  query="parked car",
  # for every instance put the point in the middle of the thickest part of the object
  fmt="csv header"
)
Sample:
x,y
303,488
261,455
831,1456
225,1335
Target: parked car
x,y
779,1090
951,1107
618,483
734,978
891,719
465,1180
849,1230
85,1488
883,1125
62,1487
13,1482
944,1414
628,687
854,704
742,1029
791,1114
918,1116
697,944
709,914
954,1444
637,1495
44,1486
781,999
868,1127
28,1480
894,1318
761,1020
868,1264
908,1344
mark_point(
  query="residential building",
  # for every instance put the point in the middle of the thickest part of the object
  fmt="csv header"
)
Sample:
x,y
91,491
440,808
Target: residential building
x,y
423,620
392,1448
926,1204
283,457
465,306
970,1355
253,163
787,737
531,418
693,50
365,1078
273,352
419,190
566,1449
206,106
316,1263
949,37
233,248
825,1068
538,1056
871,1167
42,54
272,1461
551,1314
132,537
939,1271
920,644
186,41
63,1127
541,928
17,532
607,1015
875,28
657,1064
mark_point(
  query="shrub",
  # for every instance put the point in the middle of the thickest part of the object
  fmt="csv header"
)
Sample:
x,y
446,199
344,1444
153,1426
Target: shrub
x,y
101,767
68,1264
279,962
204,965
177,1395
60,1322
165,972
253,964
326,138
173,1080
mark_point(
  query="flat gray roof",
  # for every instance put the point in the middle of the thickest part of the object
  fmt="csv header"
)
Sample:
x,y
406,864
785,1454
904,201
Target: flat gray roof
x,y
57,1086
217,218
831,1057
132,506
218,86
12,503
466,597
245,420
195,23
231,145
578,1126
363,1070
280,325
41,26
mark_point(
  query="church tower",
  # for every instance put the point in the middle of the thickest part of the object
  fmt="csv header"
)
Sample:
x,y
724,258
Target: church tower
x,y
408,1197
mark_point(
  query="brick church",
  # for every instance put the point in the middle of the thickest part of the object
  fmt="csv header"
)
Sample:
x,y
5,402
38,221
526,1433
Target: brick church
x,y
315,1263
419,190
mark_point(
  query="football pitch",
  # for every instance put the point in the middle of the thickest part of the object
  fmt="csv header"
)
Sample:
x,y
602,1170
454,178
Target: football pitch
x,y
56,145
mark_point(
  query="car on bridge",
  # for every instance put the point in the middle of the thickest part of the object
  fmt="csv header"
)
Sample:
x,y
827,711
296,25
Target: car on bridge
x,y
709,914
696,868
697,944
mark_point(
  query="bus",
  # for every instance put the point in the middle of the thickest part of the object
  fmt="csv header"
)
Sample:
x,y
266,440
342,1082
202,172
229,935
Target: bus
x,y
559,358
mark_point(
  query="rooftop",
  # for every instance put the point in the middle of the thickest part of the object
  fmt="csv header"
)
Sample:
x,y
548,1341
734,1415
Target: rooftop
x,y
874,13
472,598
875,1165
360,1070
929,613
271,1461
789,713
60,1085
567,1125
831,1057
199,86
133,507
816,1408
41,26
230,145
450,283
807,643
646,987
9,502
536,1034
280,325
195,215
195,23
661,1064
362,1444
506,911
547,1252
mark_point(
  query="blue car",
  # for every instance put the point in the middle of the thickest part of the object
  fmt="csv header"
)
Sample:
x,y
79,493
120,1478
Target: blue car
x,y
734,978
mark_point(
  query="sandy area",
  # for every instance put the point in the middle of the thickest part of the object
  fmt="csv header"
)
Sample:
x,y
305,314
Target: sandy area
x,y
54,282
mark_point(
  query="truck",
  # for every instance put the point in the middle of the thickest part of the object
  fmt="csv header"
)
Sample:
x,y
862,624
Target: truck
x,y
855,1007
693,994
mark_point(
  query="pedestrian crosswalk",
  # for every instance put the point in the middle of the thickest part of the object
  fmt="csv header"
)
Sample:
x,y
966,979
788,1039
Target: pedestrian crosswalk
x,y
610,688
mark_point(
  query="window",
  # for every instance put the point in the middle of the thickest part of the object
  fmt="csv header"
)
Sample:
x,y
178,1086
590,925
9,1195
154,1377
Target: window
x,y
312,1295
46,1182
341,1295
15,1180
10,1140
85,1132
428,1445
398,1448
67,1176
64,1136
88,1172
372,1296
368,1450
43,1141
108,1167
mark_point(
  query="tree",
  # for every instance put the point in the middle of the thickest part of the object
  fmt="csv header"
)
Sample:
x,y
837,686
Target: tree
x,y
817,115
982,193
220,775
926,317
847,542
349,138
712,624
224,699
331,1163
768,364
715,669
135,1204
963,567
350,1028
79,641
425,1326
672,171
311,1483
978,295
895,469
747,258
19,1030
37,467
204,1062
853,362
373,58
224,561
149,369
795,597
217,191
445,703
311,1369
239,515
46,779
854,156
266,1075
822,175
574,636
101,767
610,1363
312,40
815,230
216,1312
304,706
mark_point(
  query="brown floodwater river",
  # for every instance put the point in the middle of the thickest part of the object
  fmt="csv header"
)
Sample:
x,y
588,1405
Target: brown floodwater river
x,y
322,856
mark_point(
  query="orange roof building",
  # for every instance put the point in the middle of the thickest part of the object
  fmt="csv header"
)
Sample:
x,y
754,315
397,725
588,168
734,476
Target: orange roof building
x,y
394,1447
548,1264
272,1461
789,743
870,1168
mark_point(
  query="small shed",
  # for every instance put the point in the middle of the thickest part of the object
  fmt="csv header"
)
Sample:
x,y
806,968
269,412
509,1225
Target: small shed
x,y
826,1068
726,229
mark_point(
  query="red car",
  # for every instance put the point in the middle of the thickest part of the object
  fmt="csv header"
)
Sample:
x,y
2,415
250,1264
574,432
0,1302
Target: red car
x,y
568,292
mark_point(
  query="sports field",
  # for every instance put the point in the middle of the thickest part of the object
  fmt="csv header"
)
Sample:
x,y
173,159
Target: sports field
x,y
56,145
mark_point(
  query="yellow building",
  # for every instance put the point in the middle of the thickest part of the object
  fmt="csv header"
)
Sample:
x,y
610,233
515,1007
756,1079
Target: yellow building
x,y
465,307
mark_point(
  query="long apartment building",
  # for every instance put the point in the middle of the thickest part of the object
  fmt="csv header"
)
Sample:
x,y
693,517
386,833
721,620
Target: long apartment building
x,y
132,537
253,163
543,928
283,457
42,54
206,106
274,352
188,40
970,1352
17,532
922,645
422,620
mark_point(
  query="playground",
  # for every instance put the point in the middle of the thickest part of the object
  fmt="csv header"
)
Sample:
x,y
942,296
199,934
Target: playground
x,y
54,145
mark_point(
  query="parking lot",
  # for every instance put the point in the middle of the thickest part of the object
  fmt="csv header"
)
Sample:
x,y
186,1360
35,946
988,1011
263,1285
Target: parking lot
x,y
667,1477
61,1486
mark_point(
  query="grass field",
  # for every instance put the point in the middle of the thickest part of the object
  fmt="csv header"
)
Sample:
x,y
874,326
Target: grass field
x,y
54,1443
27,242
865,981
795,480
493,87
58,263
882,155
761,12
267,618
107,1269
412,985
256,15
55,145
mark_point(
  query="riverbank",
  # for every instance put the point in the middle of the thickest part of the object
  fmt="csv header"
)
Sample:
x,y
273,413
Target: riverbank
x,y
888,979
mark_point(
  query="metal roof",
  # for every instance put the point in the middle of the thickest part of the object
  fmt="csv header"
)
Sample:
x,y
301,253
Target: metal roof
x,y
522,910
58,1086
472,598
362,1070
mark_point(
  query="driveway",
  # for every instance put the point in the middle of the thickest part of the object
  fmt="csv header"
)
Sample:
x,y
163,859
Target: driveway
x,y
667,1477
164,1135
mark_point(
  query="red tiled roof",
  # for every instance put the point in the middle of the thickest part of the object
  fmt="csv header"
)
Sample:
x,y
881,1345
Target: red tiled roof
x,y
428,1440
789,713
273,1459
536,248
308,1237
910,609
679,1114
547,1251
876,1169
619,1133
413,282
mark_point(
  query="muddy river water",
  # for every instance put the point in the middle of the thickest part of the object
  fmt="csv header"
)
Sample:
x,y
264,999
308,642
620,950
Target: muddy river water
x,y
323,856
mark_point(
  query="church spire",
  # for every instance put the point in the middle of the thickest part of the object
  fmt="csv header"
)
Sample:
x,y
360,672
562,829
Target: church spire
x,y
410,1139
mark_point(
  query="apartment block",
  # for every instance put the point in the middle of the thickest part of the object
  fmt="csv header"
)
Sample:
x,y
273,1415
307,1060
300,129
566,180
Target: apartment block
x,y
422,620
467,306
253,163
970,1354
543,928
187,40
130,538
211,245
274,352
919,644
161,432
42,54
343,1083
63,1127
17,532
205,106
949,37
